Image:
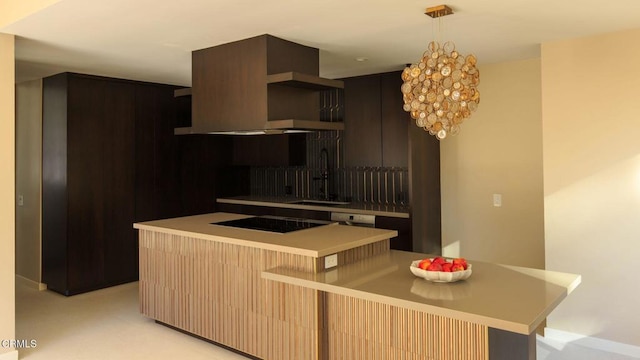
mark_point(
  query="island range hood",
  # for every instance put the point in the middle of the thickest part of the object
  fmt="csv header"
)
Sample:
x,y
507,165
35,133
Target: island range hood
x,y
261,85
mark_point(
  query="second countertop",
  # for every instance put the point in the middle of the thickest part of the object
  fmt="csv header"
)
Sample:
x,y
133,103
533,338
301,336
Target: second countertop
x,y
389,210
510,298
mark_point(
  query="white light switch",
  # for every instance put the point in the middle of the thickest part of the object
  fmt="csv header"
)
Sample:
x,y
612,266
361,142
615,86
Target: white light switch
x,y
497,200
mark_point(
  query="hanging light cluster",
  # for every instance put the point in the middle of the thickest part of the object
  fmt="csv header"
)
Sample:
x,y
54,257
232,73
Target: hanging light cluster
x,y
440,91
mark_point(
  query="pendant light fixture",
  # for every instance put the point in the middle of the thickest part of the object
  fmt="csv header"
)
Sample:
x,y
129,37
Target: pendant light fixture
x,y
440,91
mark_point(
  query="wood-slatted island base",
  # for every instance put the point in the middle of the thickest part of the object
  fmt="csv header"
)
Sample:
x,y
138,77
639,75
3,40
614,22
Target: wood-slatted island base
x,y
376,309
206,280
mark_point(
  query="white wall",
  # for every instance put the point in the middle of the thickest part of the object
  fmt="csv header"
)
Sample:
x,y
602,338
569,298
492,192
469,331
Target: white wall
x,y
10,11
591,141
498,150
7,185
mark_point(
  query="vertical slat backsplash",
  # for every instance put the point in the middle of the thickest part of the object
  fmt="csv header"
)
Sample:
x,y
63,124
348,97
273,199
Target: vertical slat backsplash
x,y
370,185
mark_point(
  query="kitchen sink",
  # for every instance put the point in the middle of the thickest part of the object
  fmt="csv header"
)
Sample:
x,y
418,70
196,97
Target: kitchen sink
x,y
319,202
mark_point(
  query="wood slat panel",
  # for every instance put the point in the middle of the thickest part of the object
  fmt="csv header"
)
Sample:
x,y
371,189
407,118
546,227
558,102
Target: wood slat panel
x,y
361,329
215,290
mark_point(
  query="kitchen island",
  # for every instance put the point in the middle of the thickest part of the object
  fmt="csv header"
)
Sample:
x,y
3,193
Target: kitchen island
x,y
205,279
269,295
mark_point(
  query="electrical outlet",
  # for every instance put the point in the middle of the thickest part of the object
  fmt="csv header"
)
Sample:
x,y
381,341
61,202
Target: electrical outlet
x,y
20,200
330,261
497,200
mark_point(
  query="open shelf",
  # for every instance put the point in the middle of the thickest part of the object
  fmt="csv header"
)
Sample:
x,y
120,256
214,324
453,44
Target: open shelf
x,y
182,92
305,81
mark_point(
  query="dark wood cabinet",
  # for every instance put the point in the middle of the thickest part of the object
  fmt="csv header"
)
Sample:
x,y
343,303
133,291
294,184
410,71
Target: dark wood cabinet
x,y
270,150
363,127
157,155
402,226
425,191
88,183
375,124
394,122
378,132
107,156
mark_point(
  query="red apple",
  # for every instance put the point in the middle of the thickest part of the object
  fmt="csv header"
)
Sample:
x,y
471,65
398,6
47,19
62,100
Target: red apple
x,y
434,266
424,264
438,260
457,267
446,267
461,261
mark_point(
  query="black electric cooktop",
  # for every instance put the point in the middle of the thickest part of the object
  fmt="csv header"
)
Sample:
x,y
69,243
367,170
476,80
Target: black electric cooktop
x,y
273,223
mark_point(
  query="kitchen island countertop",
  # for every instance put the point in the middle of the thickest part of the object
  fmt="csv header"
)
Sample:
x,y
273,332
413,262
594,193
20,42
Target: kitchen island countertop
x,y
315,242
509,298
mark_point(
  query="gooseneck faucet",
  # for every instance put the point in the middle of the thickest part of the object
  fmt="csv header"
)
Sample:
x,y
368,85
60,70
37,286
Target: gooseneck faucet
x,y
324,173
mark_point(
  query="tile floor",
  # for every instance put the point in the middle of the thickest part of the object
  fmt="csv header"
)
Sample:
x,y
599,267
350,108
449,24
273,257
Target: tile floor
x,y
106,324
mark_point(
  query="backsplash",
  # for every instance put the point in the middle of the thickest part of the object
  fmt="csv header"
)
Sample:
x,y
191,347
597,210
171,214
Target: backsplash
x,y
375,185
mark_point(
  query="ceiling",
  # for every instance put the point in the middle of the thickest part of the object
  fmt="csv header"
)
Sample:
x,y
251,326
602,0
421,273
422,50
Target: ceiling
x,y
152,40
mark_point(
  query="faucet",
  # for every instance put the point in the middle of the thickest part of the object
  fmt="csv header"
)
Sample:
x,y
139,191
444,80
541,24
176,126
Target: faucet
x,y
324,173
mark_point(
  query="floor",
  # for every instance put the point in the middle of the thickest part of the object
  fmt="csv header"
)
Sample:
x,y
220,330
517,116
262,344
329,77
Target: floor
x,y
106,324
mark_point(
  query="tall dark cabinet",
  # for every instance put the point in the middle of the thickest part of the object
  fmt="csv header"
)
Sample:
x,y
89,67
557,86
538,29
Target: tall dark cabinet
x,y
100,174
379,133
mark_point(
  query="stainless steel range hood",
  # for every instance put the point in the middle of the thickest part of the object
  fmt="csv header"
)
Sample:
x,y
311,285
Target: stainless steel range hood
x,y
261,85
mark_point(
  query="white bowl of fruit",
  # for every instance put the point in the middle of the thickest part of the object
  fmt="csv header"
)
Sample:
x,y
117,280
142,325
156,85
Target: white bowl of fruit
x,y
440,269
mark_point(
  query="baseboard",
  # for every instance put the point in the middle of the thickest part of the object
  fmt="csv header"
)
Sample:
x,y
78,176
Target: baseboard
x,y
592,342
21,280
11,355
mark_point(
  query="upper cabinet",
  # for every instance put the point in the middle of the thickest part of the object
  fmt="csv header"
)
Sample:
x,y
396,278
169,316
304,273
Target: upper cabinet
x,y
270,150
376,126
262,84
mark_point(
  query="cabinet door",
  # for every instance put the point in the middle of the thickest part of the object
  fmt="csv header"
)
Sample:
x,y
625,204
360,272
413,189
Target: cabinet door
x,y
395,136
156,153
376,131
145,155
362,128
85,184
118,132
402,226
269,150
101,242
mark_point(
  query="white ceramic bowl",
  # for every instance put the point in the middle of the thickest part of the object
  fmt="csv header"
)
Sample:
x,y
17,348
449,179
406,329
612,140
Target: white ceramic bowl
x,y
439,276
